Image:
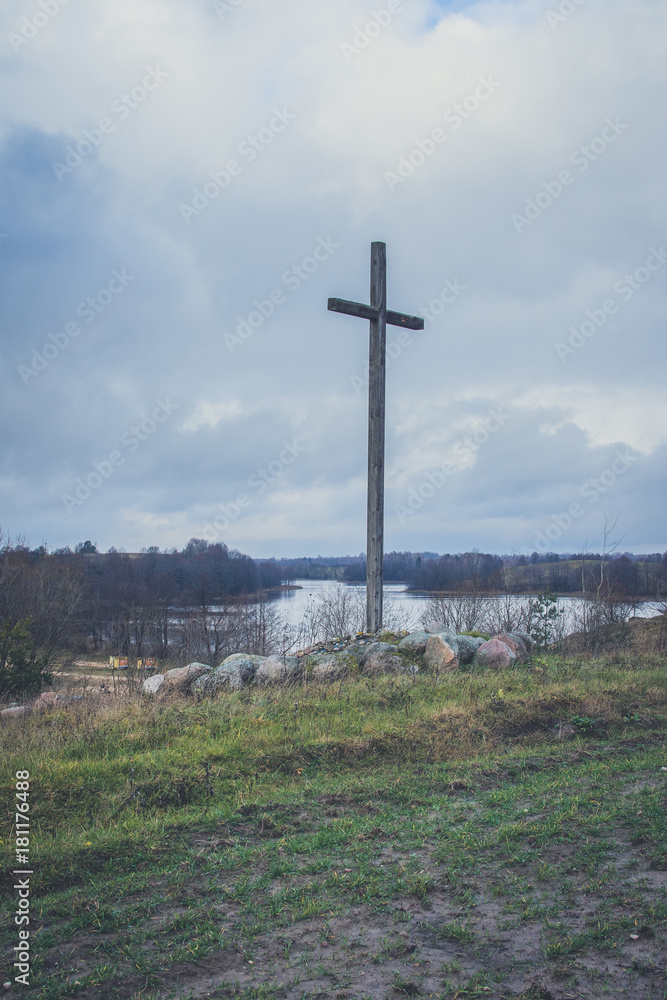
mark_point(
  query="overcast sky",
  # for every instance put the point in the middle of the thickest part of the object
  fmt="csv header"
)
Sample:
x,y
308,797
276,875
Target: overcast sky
x,y
186,182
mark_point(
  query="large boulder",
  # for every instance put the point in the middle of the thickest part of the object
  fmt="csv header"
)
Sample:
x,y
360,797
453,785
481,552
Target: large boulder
x,y
373,648
383,658
438,628
494,655
441,655
432,627
329,667
527,641
275,670
359,650
233,673
153,684
515,643
415,643
181,679
15,712
467,646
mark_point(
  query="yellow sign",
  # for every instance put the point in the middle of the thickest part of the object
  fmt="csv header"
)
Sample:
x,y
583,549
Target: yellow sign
x,y
122,663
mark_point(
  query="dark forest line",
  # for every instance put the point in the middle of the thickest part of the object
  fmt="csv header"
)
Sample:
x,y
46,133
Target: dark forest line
x,y
67,601
626,576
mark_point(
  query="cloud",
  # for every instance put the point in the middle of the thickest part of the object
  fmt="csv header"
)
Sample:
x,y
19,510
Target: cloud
x,y
314,134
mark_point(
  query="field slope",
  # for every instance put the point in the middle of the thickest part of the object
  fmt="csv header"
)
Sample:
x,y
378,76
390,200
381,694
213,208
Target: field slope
x,y
494,835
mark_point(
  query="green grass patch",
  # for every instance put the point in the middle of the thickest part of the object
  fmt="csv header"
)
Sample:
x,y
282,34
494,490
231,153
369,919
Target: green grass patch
x,y
363,839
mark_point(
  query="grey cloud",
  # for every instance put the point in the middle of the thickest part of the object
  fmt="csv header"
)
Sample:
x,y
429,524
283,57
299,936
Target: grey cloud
x,y
324,177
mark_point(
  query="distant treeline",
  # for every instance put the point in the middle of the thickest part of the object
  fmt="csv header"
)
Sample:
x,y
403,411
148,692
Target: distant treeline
x,y
61,600
630,576
398,567
428,571
627,576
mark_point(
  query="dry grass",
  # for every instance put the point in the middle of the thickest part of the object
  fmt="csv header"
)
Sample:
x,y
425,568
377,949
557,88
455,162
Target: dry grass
x,y
181,846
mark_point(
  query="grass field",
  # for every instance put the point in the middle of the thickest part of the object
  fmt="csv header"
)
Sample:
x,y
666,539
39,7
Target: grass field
x,y
496,834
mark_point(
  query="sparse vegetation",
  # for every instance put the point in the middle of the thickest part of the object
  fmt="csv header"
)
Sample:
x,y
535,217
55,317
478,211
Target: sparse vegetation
x,y
324,841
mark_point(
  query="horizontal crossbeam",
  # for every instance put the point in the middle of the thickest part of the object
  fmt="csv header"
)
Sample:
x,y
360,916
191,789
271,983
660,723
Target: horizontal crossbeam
x,y
353,309
372,312
408,322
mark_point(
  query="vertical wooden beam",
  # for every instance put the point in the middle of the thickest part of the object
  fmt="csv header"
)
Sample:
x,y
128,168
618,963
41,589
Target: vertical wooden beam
x,y
376,419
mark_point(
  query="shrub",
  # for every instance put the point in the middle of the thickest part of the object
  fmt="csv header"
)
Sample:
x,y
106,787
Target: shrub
x,y
22,670
546,619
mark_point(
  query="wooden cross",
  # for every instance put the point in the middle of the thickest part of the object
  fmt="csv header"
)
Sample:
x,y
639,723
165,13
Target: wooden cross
x,y
379,316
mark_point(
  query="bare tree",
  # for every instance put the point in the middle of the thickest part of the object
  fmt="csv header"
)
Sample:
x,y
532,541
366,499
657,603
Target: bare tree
x,y
338,610
603,602
33,586
465,611
239,625
506,613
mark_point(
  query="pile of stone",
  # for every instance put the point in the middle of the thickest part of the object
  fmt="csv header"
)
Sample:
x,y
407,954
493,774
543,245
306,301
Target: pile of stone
x,y
439,649
45,701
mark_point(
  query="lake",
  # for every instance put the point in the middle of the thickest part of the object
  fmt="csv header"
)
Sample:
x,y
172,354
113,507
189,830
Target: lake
x,y
402,609
294,604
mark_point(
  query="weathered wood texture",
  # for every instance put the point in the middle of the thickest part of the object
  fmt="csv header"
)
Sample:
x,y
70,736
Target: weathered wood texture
x,y
368,312
377,363
379,317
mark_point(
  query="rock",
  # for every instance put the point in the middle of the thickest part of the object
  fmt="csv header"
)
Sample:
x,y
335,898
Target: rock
x,y
308,650
15,712
392,638
494,654
278,671
181,679
46,700
515,643
527,641
232,674
448,634
382,658
468,646
441,656
355,649
374,648
415,643
153,684
217,680
329,667
191,666
238,658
